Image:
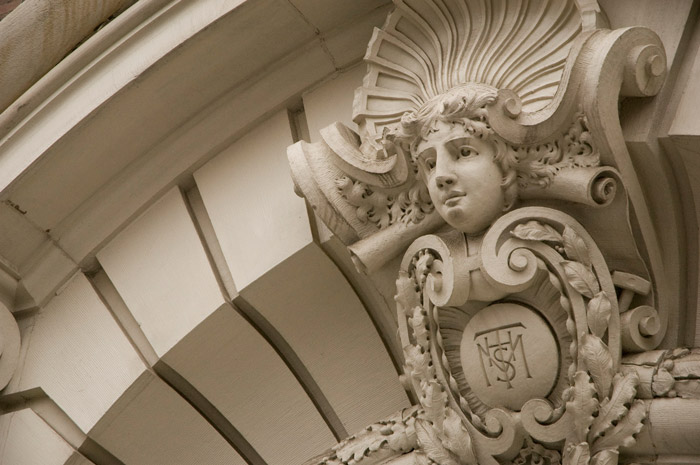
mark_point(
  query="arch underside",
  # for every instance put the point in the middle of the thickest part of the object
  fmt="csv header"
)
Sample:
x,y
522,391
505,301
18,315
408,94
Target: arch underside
x,y
177,302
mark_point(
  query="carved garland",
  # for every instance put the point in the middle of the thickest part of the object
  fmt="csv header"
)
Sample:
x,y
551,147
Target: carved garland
x,y
549,78
377,442
598,397
598,413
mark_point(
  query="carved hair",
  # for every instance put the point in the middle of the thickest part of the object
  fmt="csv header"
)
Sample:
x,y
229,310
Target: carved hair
x,y
464,105
522,167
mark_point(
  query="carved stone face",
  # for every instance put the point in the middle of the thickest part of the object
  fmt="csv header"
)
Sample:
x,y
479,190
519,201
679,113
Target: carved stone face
x,y
462,176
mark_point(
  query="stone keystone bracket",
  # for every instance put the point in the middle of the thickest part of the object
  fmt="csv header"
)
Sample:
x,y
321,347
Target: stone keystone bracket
x,y
490,155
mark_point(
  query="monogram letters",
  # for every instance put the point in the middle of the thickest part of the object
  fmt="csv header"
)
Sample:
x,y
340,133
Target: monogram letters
x,y
486,155
502,352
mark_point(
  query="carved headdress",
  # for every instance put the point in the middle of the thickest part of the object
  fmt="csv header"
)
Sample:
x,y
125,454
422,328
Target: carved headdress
x,y
427,48
513,61
541,80
543,77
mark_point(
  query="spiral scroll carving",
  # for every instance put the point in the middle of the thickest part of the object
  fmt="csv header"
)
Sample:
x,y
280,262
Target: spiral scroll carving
x,y
639,326
645,71
512,322
543,263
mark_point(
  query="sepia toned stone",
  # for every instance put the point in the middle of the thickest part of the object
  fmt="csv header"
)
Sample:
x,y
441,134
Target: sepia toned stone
x,y
515,312
509,355
495,259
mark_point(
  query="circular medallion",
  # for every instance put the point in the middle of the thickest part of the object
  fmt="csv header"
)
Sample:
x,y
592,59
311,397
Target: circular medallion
x,y
509,355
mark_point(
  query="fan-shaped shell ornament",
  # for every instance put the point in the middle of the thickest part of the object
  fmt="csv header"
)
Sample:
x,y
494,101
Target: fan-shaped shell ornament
x,y
426,48
519,53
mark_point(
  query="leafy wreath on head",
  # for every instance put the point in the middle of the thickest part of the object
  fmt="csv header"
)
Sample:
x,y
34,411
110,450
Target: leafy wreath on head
x,y
467,105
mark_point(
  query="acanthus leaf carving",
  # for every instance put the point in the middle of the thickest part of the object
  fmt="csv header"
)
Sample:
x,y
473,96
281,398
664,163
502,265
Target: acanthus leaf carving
x,y
417,362
382,209
614,408
601,428
605,457
407,297
420,332
599,310
581,278
457,439
376,443
431,444
622,434
583,402
536,231
598,360
575,247
577,454
535,453
434,402
474,155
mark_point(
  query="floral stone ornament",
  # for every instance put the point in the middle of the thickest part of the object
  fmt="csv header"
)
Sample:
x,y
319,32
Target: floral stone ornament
x,y
487,156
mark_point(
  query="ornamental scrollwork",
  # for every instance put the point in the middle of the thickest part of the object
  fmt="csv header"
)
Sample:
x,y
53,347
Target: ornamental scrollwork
x,y
563,280
529,296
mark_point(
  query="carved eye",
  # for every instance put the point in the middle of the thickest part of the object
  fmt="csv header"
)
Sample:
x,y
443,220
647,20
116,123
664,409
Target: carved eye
x,y
465,152
430,164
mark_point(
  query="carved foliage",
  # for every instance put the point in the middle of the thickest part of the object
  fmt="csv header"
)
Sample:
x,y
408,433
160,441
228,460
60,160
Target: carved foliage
x,y
598,413
369,186
441,434
376,443
533,453
606,415
383,209
537,165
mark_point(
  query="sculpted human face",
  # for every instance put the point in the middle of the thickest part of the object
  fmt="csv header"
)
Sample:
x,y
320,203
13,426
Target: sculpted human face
x,y
462,176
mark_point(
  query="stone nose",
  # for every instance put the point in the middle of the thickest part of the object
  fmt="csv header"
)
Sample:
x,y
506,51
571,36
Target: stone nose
x,y
444,169
444,180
